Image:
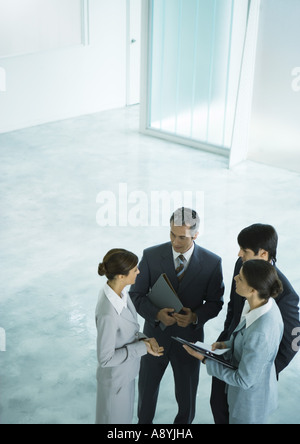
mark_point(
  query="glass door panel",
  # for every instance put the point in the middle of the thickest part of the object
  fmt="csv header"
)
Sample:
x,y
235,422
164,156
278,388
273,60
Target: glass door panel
x,y
196,57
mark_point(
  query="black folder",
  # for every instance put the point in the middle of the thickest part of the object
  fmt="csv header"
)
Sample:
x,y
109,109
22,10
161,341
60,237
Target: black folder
x,y
163,295
207,354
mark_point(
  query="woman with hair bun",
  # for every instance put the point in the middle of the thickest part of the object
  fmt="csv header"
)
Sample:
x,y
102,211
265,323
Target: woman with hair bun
x,y
253,347
120,345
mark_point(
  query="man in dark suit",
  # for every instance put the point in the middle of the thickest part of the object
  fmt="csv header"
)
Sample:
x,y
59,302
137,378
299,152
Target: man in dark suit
x,y
196,275
259,241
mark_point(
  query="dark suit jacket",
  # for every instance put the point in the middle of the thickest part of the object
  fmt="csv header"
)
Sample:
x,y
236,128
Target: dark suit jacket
x,y
201,290
287,302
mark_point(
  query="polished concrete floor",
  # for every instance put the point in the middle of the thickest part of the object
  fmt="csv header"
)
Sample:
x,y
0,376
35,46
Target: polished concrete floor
x,y
52,180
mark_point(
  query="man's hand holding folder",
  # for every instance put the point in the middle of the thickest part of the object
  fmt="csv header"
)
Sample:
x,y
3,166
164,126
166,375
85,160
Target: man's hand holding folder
x,y
167,316
163,295
185,317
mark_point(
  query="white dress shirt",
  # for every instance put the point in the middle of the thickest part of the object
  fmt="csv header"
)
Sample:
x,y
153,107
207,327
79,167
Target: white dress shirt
x,y
117,302
187,256
252,315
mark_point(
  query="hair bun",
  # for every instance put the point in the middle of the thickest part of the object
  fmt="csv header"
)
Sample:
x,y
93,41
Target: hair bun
x,y
276,288
101,269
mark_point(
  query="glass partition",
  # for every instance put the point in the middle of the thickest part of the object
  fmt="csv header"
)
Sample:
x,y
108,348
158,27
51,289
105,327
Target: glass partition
x,y
196,53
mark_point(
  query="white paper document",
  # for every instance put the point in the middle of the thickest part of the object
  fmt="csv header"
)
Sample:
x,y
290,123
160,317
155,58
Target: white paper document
x,y
208,348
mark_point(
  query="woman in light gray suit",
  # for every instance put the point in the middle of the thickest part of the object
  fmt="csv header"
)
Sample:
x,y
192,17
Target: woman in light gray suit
x,y
252,388
120,345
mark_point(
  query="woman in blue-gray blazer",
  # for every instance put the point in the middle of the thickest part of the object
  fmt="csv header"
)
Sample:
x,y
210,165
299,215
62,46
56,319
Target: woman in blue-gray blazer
x,y
120,344
253,347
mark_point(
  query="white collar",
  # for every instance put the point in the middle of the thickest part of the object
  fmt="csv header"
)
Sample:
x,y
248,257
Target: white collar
x,y
187,255
253,315
117,302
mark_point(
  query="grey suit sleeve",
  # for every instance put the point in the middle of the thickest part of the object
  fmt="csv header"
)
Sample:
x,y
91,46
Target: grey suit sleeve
x,y
254,358
108,355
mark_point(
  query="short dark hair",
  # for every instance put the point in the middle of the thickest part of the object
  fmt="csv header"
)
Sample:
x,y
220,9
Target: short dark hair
x,y
263,277
259,236
185,217
117,261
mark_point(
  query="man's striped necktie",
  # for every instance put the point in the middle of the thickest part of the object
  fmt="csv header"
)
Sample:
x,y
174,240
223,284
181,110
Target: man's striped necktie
x,y
181,268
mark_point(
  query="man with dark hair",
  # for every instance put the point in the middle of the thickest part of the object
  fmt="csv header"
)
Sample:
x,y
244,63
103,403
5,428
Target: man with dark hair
x,y
258,241
196,276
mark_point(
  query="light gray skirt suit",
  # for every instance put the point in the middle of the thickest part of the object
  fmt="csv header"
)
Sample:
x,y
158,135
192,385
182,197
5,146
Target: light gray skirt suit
x,y
252,388
119,349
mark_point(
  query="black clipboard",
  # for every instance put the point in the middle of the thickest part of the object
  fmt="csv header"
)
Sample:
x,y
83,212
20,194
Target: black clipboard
x,y
207,354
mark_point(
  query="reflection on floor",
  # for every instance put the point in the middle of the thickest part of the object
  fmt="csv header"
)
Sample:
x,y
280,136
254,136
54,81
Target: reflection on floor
x,y
52,178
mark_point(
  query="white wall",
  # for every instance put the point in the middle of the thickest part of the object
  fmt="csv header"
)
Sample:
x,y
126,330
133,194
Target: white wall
x,y
275,128
28,26
72,81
